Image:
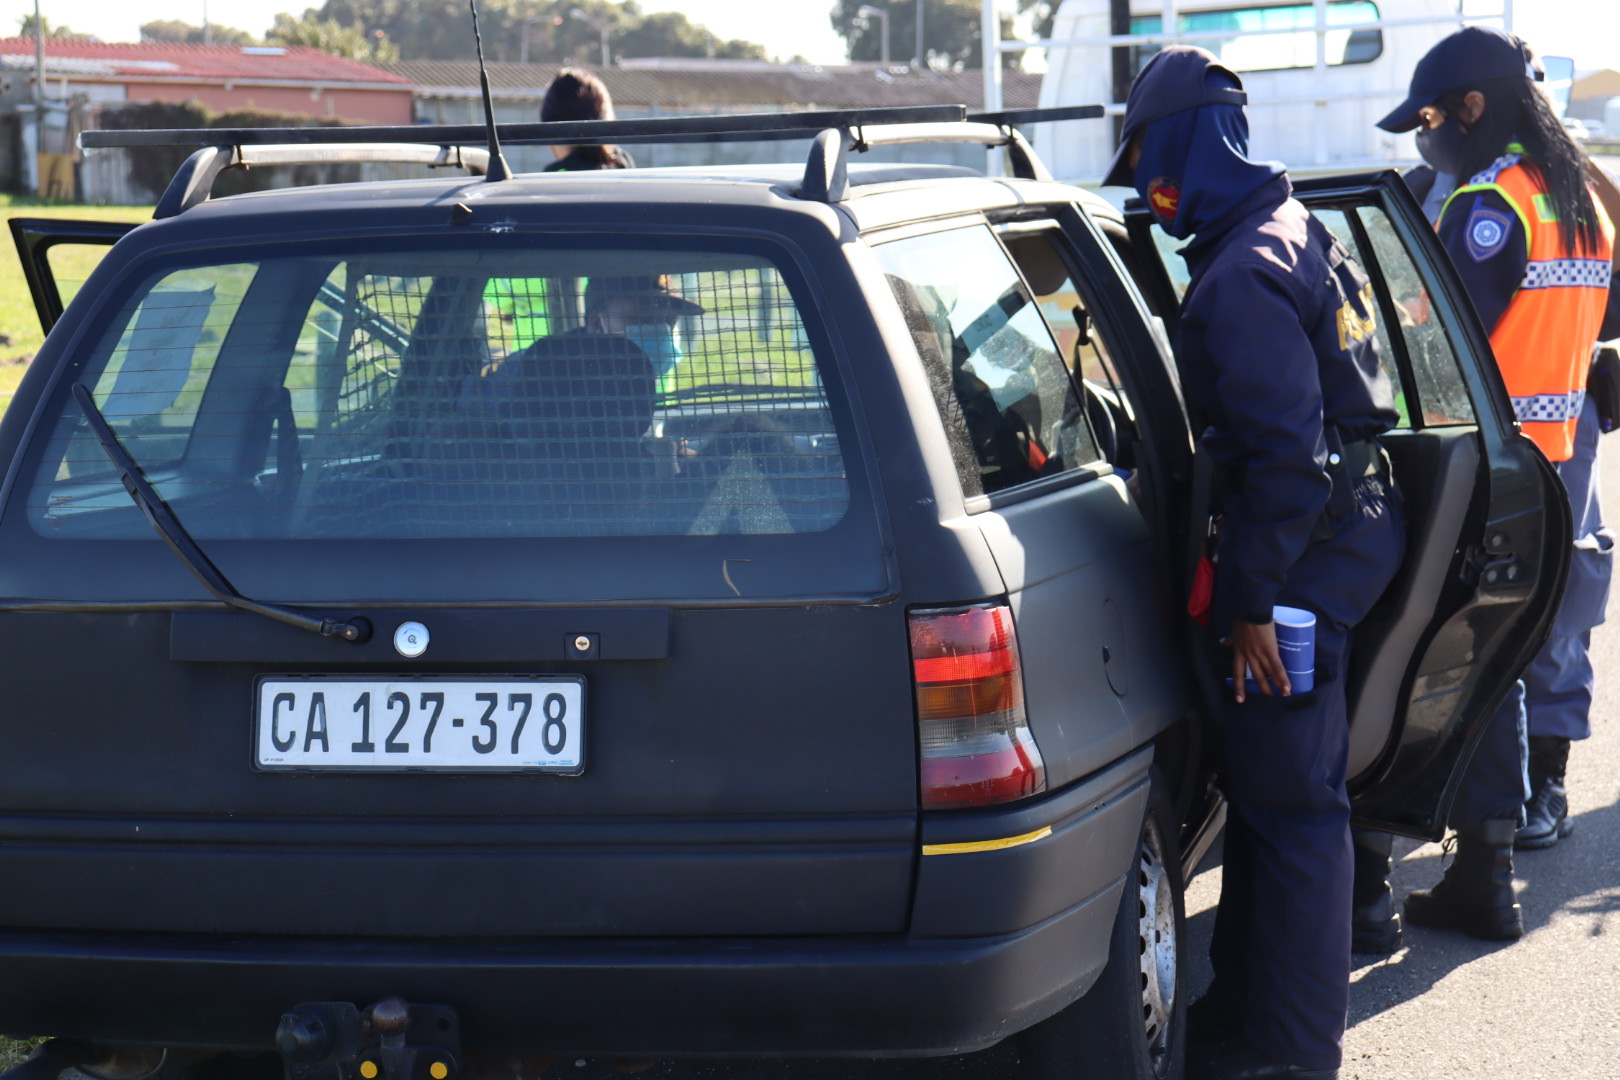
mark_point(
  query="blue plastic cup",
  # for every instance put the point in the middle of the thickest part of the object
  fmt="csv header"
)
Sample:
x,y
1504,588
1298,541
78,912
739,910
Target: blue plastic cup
x,y
1296,643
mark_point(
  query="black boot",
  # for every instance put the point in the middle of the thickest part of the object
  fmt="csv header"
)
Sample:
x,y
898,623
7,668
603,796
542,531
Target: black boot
x,y
1375,925
1547,812
1475,897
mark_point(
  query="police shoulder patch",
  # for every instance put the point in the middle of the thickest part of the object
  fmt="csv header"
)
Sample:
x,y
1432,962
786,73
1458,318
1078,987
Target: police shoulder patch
x,y
1487,231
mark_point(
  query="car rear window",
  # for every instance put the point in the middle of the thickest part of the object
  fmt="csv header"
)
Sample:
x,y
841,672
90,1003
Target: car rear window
x,y
429,394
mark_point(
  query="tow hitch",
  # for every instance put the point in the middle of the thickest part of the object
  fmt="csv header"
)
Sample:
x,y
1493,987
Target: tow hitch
x,y
392,1040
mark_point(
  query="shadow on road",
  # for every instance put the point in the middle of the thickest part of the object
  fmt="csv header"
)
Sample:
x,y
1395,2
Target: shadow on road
x,y
1578,878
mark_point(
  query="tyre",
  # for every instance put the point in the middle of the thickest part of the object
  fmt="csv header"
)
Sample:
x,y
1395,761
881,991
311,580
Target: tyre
x,y
1131,1024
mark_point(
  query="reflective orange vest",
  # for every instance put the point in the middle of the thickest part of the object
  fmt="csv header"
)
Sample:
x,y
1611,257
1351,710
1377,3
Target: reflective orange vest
x,y
1543,343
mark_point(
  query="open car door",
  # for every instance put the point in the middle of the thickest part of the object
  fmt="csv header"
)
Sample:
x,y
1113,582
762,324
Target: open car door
x,y
1488,525
57,255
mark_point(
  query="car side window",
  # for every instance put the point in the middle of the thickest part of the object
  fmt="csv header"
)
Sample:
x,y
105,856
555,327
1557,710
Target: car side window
x,y
157,367
1040,255
1419,359
1435,369
1012,411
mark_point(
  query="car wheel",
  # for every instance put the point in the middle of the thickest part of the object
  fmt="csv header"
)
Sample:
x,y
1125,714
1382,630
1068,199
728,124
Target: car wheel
x,y
1131,1024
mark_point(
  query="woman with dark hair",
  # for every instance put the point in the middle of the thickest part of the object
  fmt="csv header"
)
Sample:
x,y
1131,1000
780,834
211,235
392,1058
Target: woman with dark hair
x,y
579,95
1535,251
572,95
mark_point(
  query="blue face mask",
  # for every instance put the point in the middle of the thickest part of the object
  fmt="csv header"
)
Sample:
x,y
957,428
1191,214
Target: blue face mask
x,y
660,341
1443,147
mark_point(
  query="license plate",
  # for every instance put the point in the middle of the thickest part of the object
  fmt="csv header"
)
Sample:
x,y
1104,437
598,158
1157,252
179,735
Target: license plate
x,y
390,724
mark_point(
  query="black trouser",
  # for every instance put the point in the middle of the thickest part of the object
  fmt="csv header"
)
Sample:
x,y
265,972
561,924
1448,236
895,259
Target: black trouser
x,y
1282,931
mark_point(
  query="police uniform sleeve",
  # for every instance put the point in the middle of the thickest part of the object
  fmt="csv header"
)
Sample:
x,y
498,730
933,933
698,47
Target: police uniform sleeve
x,y
1487,243
1611,315
1268,387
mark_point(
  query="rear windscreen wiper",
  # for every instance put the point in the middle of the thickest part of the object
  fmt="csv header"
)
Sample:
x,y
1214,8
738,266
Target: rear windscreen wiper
x,y
174,534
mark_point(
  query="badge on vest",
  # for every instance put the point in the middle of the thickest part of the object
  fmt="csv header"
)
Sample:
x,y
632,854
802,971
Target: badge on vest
x,y
1488,231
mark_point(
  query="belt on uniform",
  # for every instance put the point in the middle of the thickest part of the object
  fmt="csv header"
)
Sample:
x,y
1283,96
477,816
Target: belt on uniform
x,y
1348,464
1358,459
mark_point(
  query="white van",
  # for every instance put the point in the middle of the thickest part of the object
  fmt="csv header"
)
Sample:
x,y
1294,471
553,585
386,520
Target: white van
x,y
1313,109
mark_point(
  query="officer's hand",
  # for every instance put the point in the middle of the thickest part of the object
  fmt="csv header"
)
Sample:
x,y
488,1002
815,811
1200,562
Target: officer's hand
x,y
1254,649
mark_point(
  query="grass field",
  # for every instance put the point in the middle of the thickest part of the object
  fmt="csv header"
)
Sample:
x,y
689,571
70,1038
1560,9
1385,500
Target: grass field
x,y
20,338
13,1051
20,334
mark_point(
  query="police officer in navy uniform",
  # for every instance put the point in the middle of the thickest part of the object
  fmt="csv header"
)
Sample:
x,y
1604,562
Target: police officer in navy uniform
x,y
1276,349
1534,250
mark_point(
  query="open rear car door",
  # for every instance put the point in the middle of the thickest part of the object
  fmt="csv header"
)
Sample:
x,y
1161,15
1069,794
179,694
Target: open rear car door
x,y
1488,525
57,255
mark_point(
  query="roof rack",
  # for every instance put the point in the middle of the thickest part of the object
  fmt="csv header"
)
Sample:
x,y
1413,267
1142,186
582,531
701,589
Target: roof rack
x,y
826,175
194,180
721,128
836,133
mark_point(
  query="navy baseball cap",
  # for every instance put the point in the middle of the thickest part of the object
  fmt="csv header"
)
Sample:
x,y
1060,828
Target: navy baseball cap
x,y
1466,58
1172,81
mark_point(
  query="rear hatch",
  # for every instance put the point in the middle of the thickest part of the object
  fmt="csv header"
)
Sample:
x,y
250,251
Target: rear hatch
x,y
634,666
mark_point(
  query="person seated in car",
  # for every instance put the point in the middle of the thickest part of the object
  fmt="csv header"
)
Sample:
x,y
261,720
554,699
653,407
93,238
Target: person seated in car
x,y
593,385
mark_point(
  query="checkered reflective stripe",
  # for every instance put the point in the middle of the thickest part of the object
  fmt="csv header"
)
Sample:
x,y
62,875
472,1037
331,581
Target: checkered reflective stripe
x,y
1549,408
1567,274
1496,168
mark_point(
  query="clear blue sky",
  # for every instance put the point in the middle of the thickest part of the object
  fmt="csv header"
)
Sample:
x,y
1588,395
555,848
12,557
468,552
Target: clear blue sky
x,y
1588,30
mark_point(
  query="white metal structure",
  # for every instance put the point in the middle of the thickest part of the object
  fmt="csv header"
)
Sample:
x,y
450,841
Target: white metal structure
x,y
1319,73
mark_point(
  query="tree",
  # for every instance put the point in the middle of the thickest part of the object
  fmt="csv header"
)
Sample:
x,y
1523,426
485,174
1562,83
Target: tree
x,y
442,30
950,32
331,36
186,34
669,33
27,24
1041,13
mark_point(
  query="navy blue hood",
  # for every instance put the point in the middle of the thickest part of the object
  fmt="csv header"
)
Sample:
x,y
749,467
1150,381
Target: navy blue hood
x,y
1195,170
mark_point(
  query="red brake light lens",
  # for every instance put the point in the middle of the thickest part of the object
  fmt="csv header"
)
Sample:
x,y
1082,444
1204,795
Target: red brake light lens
x,y
976,745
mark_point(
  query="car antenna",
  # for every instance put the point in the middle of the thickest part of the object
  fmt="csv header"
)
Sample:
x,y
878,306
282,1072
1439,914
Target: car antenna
x,y
497,164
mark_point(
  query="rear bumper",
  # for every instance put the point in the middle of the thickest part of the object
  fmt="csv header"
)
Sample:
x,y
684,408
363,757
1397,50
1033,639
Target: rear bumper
x,y
1004,932
735,996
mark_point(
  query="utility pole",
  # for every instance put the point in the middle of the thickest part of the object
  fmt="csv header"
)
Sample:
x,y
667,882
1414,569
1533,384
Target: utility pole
x,y
917,61
208,29
601,28
866,12
39,61
1119,24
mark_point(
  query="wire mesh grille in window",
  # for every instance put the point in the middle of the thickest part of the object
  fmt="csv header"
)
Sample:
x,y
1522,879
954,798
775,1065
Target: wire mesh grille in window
x,y
417,396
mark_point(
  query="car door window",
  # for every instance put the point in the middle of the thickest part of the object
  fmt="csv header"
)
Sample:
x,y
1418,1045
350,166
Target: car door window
x,y
1043,257
1434,367
1011,409
70,265
1419,358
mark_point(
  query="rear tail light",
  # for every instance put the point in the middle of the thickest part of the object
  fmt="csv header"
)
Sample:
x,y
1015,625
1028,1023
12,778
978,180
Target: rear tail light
x,y
976,745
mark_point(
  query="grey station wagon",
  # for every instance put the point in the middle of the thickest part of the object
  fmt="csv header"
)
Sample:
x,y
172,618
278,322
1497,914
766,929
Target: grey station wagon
x,y
715,611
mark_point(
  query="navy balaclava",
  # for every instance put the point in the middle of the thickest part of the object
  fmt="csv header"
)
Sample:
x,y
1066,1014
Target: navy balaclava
x,y
1194,167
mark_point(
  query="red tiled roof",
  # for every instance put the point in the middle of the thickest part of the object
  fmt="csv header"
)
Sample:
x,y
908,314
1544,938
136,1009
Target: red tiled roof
x,y
695,86
205,63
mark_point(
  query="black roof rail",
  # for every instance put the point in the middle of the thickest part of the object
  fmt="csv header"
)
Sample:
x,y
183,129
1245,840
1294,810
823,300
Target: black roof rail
x,y
194,180
725,127
826,173
1012,117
